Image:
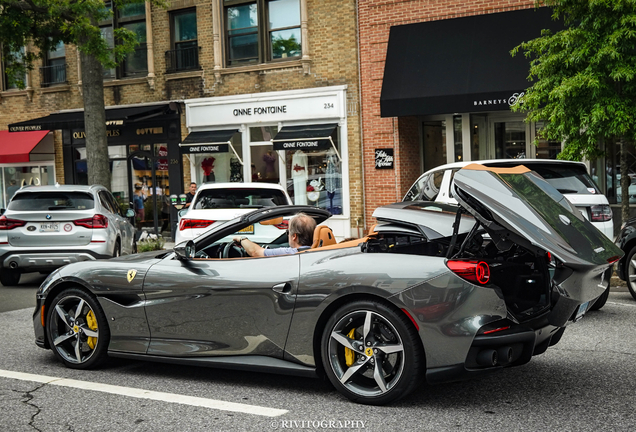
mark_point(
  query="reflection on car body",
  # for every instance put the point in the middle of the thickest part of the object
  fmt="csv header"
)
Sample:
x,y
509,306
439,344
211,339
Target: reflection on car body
x,y
428,294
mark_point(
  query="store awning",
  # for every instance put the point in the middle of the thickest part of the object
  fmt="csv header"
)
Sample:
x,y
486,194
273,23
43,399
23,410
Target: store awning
x,y
217,141
459,65
75,119
26,146
306,137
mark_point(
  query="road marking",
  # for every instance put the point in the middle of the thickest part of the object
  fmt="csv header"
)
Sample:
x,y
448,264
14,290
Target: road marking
x,y
146,394
621,304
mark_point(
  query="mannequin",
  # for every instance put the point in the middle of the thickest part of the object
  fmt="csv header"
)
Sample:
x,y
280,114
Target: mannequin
x,y
332,178
299,174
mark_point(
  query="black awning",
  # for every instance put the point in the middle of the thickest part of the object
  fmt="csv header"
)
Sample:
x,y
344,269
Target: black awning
x,y
307,137
208,141
459,65
75,119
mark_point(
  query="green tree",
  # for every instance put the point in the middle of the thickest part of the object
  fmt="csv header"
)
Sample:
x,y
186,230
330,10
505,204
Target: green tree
x,y
40,25
584,79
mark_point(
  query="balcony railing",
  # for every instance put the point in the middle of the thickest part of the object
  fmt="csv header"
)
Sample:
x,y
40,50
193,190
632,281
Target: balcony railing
x,y
51,75
182,59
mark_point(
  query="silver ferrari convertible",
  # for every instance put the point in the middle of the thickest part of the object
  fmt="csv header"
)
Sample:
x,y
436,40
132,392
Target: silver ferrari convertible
x,y
433,293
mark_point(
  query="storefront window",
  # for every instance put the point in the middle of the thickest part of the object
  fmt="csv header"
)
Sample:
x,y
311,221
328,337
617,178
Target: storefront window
x,y
510,140
545,149
219,167
265,161
15,177
315,177
434,133
457,138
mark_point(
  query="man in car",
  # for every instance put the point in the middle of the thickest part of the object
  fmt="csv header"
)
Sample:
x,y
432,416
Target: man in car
x,y
300,234
190,194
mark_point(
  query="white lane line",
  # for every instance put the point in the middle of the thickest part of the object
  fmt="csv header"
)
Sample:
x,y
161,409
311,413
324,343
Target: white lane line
x,y
621,304
146,394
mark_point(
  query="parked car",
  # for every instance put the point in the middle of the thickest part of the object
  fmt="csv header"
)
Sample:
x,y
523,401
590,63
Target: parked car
x,y
569,178
435,291
626,268
46,227
216,203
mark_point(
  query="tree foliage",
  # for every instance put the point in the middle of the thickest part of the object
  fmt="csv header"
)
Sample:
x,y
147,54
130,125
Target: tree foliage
x,y
584,76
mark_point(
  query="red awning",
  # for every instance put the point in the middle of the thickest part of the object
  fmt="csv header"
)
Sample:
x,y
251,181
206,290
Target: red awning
x,y
25,146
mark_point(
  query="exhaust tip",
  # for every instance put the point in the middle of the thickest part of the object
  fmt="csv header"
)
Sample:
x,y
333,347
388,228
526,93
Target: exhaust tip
x,y
13,265
504,355
487,357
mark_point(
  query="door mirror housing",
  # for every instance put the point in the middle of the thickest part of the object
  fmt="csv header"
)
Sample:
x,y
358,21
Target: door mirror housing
x,y
185,251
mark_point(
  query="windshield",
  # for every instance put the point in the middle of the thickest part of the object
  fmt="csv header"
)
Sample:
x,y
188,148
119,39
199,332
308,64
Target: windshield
x,y
52,201
566,178
238,198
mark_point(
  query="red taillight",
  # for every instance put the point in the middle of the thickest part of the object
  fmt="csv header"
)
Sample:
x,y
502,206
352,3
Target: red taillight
x,y
473,271
194,223
613,259
97,221
600,213
497,330
283,225
9,224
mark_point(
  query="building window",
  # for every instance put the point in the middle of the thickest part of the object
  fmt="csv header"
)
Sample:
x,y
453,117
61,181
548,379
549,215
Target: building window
x,y
54,69
184,54
262,30
133,18
13,80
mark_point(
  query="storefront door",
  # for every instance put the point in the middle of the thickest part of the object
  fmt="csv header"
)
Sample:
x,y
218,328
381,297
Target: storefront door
x,y
150,189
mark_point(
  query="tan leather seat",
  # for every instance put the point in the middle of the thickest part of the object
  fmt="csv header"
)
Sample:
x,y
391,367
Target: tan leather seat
x,y
323,236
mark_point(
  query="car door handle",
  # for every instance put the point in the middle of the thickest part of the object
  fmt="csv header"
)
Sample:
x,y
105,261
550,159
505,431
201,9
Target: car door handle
x,y
282,288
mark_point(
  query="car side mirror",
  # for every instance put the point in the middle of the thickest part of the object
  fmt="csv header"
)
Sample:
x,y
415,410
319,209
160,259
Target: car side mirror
x,y
130,213
185,251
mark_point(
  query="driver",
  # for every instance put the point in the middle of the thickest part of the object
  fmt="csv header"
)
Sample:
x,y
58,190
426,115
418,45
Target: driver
x,y
300,234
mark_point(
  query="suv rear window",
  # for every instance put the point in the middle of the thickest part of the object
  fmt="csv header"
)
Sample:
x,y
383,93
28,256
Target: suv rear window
x,y
566,179
239,198
52,201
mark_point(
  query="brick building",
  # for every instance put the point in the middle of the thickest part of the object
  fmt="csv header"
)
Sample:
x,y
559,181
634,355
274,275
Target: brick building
x,y
237,71
437,83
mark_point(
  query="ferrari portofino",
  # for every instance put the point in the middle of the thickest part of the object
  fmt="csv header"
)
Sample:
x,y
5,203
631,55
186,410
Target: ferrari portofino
x,y
434,292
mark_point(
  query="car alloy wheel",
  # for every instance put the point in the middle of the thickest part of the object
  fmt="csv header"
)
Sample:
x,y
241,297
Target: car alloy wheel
x,y
371,353
631,272
77,329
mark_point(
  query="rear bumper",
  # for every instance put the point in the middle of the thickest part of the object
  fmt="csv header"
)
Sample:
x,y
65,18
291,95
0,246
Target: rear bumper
x,y
48,260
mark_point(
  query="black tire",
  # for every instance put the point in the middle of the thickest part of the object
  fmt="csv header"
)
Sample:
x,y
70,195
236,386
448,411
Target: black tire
x,y
630,272
9,277
66,327
117,250
350,363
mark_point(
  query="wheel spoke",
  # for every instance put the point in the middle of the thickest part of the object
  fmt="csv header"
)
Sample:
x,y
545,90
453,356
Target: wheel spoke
x,y
343,340
80,306
390,349
63,338
62,314
351,371
632,276
90,333
378,375
78,352
367,326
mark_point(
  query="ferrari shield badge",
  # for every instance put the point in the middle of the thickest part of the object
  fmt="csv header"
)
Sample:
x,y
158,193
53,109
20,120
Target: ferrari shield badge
x,y
131,275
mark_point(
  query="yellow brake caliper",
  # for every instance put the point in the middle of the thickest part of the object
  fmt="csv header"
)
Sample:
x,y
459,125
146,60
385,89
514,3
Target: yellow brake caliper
x,y
350,356
92,324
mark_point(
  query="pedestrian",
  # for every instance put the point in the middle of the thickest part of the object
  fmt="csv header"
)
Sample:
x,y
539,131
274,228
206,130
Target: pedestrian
x,y
138,204
190,194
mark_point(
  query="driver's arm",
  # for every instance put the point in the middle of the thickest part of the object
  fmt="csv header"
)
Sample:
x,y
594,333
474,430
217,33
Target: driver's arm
x,y
250,247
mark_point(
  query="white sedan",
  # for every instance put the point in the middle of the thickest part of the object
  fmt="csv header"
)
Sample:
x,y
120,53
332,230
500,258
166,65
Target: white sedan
x,y
216,203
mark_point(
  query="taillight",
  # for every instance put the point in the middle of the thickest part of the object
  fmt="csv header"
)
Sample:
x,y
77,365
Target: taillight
x,y
97,221
194,223
600,213
9,224
473,271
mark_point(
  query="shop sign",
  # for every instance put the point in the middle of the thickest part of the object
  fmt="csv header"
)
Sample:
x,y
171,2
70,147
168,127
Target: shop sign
x,y
109,133
384,158
511,101
310,144
206,148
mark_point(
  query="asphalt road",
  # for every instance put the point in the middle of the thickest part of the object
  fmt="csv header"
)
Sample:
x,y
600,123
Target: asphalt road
x,y
585,383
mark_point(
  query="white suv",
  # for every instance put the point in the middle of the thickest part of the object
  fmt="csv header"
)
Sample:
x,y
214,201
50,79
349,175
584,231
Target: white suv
x,y
569,178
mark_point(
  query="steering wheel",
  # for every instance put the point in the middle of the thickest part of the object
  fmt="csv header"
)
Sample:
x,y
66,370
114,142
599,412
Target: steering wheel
x,y
231,249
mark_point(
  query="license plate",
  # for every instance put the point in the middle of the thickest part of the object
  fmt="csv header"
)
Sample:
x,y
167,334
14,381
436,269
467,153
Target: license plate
x,y
247,230
50,227
581,311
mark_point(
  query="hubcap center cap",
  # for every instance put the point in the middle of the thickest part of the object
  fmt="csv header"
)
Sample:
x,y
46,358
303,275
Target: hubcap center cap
x,y
369,352
76,329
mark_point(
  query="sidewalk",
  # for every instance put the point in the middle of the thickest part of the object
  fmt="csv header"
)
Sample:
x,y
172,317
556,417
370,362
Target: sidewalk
x,y
168,245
